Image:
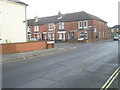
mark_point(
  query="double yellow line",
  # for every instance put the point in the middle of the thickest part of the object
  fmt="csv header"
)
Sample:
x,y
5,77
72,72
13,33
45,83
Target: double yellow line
x,y
111,79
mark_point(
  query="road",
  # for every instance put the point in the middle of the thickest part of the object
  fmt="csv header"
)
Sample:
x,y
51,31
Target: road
x,y
87,66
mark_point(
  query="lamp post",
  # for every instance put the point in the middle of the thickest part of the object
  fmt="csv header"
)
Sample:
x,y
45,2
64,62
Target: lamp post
x,y
90,28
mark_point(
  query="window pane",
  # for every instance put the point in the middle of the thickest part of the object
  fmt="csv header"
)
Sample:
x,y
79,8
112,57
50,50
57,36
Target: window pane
x,y
61,25
68,35
37,28
80,24
85,23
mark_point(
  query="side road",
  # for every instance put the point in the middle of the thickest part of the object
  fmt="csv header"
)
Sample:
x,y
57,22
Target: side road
x,y
59,47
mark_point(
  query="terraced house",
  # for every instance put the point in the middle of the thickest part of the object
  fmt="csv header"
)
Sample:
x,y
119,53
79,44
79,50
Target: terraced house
x,y
78,26
115,29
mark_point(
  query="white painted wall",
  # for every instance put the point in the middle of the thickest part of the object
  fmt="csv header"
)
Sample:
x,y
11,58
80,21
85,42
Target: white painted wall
x,y
12,25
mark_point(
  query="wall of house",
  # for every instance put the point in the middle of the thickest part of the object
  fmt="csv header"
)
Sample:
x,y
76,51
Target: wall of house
x,y
23,47
13,25
71,26
101,30
42,28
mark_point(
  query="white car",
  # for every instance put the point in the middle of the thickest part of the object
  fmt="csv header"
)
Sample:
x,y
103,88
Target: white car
x,y
116,37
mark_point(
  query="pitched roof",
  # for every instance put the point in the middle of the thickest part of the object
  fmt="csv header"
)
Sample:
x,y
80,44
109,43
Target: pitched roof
x,y
18,1
65,18
116,26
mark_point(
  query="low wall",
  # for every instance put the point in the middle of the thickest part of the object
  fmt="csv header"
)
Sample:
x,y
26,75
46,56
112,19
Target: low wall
x,y
22,47
50,44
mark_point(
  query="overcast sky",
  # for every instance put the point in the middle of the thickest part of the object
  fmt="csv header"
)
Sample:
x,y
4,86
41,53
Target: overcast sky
x,y
104,9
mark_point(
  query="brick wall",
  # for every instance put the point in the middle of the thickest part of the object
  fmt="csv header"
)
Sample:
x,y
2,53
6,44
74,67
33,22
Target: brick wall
x,y
101,29
50,46
22,47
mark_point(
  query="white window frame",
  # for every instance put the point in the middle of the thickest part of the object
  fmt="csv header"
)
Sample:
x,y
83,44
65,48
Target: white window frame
x,y
29,35
50,36
112,30
61,25
86,24
86,34
117,29
50,26
28,29
80,23
53,36
44,36
63,36
60,36
36,28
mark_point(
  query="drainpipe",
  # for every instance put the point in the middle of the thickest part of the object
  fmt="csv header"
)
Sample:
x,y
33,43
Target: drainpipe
x,y
26,22
92,37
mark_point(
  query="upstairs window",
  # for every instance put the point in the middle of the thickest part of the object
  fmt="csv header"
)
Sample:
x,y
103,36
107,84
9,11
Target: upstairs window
x,y
117,29
61,25
85,24
80,24
36,28
112,30
51,26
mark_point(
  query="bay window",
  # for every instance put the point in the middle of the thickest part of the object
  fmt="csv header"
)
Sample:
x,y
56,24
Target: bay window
x,y
81,35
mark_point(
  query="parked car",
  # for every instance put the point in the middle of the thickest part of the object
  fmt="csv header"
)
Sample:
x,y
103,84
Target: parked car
x,y
33,39
116,37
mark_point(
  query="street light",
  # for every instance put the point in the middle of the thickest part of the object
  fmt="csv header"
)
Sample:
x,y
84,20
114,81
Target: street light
x,y
91,30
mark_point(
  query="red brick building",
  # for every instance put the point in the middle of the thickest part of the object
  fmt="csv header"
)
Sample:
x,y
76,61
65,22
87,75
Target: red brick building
x,y
78,26
115,30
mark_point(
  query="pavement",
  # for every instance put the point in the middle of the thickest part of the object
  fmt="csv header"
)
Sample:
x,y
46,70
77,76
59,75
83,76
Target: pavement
x,y
59,47
32,54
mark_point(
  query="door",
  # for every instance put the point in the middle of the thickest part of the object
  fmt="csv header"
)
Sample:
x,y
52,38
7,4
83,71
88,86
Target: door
x,y
72,35
63,36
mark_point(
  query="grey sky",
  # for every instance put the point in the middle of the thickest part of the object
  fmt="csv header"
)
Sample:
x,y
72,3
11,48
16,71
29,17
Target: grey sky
x,y
105,9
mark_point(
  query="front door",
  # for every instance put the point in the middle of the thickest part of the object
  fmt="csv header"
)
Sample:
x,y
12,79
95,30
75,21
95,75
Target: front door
x,y
63,36
72,35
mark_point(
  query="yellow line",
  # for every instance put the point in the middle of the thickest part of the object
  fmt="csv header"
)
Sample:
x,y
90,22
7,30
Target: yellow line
x,y
109,79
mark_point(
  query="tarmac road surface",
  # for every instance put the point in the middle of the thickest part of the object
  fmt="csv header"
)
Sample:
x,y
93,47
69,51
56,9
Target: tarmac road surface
x,y
88,66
